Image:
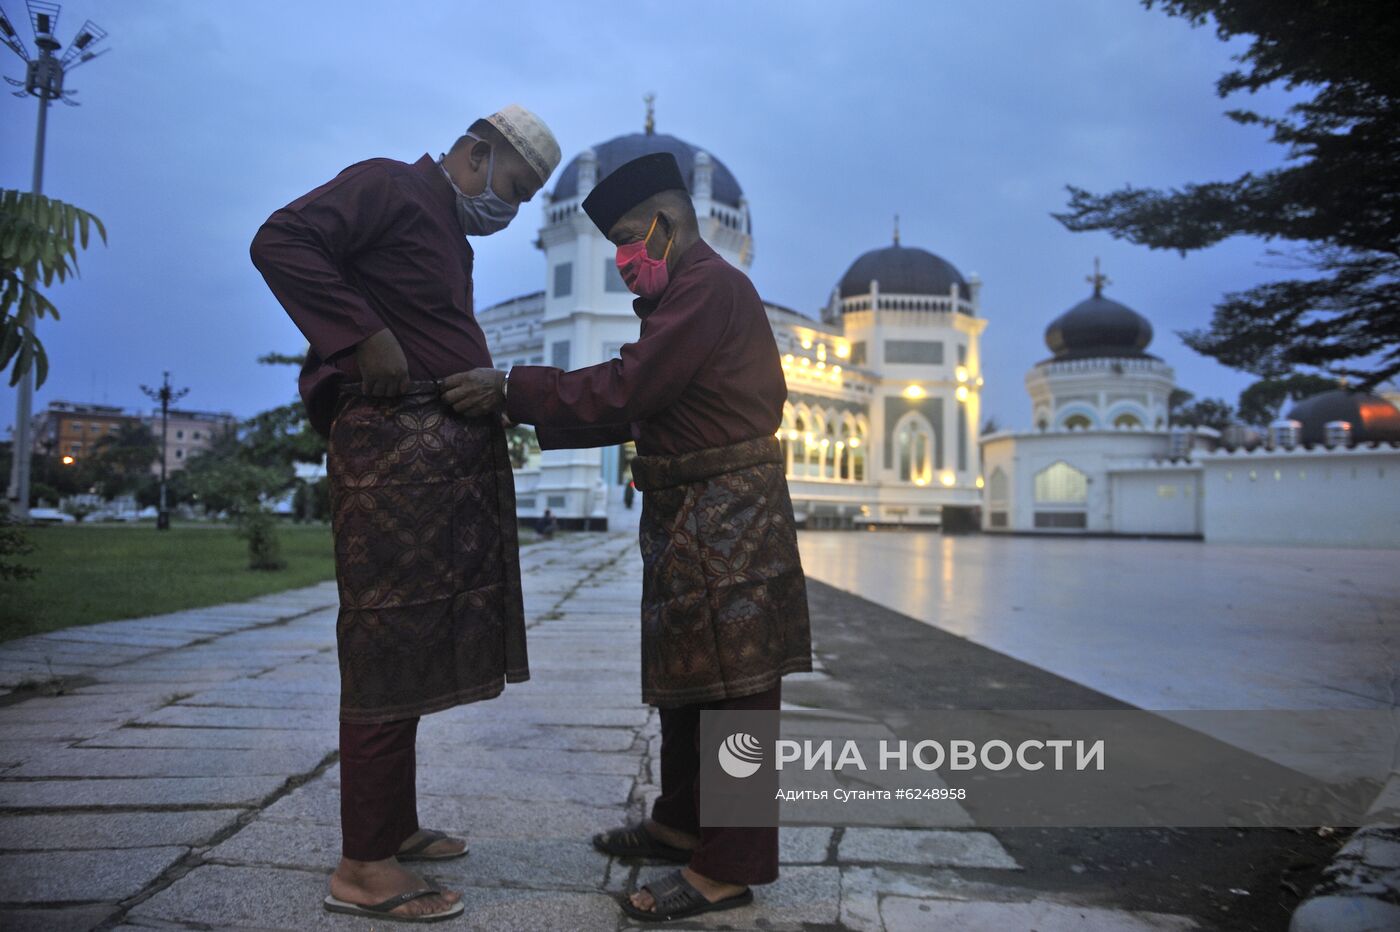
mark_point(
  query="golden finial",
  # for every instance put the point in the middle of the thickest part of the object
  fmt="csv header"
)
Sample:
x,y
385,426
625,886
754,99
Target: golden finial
x,y
651,113
896,229
1098,279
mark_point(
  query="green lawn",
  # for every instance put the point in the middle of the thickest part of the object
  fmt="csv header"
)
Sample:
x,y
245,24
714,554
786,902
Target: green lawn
x,y
90,573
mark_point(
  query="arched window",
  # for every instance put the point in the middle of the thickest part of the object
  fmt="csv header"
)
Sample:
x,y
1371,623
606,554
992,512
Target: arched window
x,y
1061,483
1127,421
913,440
1078,422
799,446
998,486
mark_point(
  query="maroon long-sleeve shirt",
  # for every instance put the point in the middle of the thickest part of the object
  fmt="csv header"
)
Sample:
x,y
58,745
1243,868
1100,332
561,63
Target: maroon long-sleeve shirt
x,y
705,372
378,246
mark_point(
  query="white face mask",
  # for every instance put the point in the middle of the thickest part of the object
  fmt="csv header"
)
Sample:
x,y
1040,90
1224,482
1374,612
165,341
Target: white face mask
x,y
485,213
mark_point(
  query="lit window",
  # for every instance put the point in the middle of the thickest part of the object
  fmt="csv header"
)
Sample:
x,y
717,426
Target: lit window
x,y
1078,422
1061,482
1166,491
1127,422
914,450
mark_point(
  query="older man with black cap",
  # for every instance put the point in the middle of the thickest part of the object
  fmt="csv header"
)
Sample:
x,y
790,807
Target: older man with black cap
x,y
724,602
375,270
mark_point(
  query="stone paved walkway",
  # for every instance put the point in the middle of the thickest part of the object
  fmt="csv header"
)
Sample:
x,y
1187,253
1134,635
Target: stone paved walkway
x,y
186,778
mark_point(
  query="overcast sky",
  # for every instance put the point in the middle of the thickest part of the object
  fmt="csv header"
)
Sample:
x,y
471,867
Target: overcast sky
x,y
965,118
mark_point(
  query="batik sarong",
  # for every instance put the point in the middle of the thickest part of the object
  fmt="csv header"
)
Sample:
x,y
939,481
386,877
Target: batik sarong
x,y
724,599
426,556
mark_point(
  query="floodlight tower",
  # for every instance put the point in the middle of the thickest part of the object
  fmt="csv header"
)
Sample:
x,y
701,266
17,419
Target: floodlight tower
x,y
43,79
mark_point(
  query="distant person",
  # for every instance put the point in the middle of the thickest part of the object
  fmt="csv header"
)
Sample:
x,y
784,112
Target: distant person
x,y
629,493
547,524
724,600
375,269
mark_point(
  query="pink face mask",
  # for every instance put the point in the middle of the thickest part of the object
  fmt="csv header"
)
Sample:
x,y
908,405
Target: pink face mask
x,y
644,276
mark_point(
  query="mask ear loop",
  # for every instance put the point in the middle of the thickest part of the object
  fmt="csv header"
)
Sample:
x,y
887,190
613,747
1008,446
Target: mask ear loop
x,y
669,243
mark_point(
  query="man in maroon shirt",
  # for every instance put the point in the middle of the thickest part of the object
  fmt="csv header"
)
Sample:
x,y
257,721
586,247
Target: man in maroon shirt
x,y
375,270
724,603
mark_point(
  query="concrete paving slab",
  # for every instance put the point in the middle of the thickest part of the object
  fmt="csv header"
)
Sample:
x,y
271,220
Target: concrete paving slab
x,y
69,876
803,845
905,914
319,803
146,762
169,791
226,738
76,831
325,719
928,847
73,919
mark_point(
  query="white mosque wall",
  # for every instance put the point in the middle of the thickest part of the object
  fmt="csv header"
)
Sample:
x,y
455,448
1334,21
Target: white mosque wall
x,y
1344,497
1059,482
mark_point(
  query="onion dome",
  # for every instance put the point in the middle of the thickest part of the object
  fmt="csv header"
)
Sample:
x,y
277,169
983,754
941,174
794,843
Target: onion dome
x,y
1371,417
614,153
1099,327
903,270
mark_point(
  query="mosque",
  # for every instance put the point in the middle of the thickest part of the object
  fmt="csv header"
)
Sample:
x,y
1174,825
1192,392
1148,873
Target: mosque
x,y
1102,457
883,403
881,424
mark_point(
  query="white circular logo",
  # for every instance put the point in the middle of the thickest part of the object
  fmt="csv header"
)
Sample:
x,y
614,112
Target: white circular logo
x,y
740,755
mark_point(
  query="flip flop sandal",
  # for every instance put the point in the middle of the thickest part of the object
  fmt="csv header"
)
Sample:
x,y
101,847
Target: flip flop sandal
x,y
430,838
382,910
634,841
677,898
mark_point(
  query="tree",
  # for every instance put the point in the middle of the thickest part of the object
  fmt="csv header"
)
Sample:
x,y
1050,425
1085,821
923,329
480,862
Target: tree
x,y
121,461
224,479
1215,413
1336,202
39,242
1262,402
284,434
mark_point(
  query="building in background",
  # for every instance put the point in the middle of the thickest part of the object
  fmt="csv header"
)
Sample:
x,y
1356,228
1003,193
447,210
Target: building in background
x,y
189,432
883,390
73,429
68,429
1103,459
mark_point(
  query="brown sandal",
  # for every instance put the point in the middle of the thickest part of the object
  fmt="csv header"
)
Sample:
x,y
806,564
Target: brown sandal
x,y
430,838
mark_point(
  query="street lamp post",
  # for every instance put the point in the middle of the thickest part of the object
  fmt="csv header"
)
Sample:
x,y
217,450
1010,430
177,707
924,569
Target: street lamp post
x,y
43,79
165,395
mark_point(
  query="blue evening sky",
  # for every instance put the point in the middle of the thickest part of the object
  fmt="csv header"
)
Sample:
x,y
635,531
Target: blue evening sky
x,y
965,118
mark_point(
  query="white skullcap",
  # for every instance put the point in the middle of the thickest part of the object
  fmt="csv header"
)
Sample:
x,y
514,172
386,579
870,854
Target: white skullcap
x,y
529,136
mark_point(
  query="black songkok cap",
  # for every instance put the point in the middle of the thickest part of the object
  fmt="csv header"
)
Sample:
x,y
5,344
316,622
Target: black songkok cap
x,y
629,185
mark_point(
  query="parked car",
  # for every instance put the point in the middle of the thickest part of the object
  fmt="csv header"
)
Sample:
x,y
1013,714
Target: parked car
x,y
49,516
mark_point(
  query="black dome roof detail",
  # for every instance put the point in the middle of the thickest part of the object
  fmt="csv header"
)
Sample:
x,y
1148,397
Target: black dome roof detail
x,y
903,270
1099,327
615,153
1371,416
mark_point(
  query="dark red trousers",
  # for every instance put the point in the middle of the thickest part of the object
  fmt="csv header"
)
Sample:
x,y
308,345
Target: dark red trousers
x,y
378,797
732,855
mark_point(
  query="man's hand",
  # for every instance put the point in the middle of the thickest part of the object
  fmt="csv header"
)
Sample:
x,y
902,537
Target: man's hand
x,y
382,364
475,392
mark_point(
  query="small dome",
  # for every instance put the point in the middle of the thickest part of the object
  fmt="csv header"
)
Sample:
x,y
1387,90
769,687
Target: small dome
x,y
1099,327
903,270
1371,417
615,153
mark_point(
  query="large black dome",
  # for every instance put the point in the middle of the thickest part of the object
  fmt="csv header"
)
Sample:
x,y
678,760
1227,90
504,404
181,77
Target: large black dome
x,y
618,152
1099,327
903,270
1371,417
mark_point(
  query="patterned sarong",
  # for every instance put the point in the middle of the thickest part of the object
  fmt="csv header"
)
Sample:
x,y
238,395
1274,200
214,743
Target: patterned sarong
x,y
724,600
426,556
